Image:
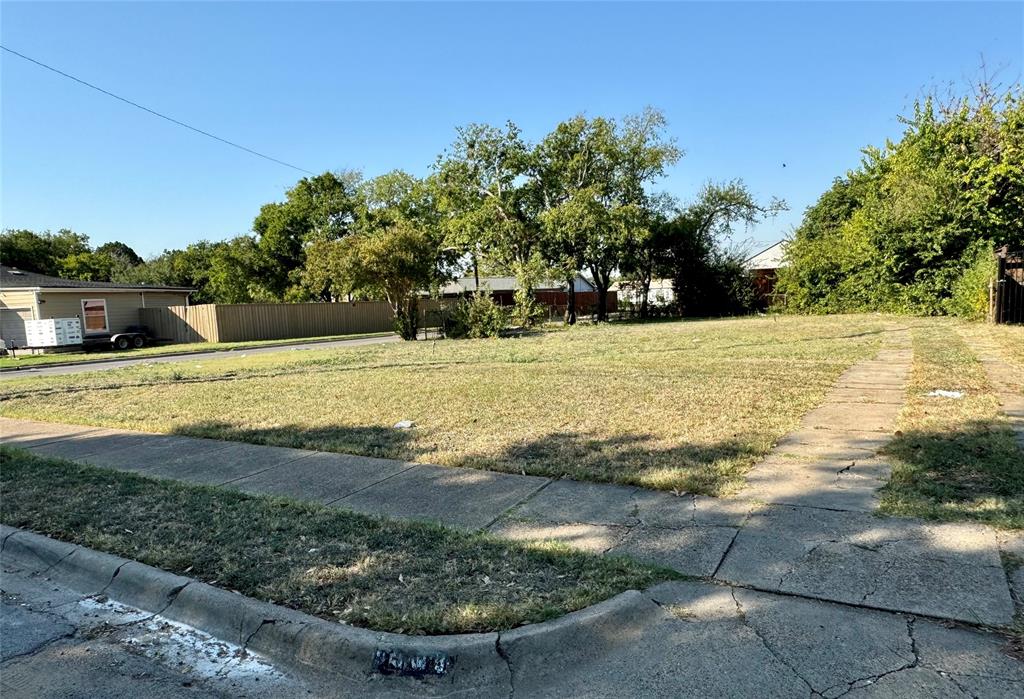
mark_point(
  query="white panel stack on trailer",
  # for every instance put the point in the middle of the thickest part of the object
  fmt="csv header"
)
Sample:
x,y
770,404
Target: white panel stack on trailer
x,y
53,332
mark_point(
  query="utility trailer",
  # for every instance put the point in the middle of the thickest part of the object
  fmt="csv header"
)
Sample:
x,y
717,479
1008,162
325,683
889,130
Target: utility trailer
x,y
66,333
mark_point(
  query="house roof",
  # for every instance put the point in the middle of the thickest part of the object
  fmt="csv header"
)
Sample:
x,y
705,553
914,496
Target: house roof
x,y
469,284
464,284
772,257
13,278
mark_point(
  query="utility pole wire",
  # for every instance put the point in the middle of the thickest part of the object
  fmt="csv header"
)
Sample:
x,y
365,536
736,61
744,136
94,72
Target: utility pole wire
x,y
155,113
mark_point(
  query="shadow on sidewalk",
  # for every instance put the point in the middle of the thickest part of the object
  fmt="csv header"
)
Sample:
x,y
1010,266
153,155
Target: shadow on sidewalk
x,y
708,468
377,441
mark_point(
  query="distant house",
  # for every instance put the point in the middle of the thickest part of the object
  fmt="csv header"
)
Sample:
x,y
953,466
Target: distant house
x,y
764,268
550,293
102,307
660,292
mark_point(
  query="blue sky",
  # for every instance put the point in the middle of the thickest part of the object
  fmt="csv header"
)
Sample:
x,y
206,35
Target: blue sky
x,y
746,88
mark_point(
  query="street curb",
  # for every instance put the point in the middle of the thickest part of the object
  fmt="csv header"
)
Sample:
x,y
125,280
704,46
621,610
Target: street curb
x,y
308,645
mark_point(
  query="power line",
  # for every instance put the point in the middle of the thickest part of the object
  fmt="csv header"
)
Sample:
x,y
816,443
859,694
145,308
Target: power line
x,y
153,112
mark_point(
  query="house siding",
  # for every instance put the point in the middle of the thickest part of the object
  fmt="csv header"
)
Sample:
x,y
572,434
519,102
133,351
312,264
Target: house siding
x,y
122,307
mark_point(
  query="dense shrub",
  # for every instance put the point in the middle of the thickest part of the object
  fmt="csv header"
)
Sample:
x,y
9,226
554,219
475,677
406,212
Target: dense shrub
x,y
913,228
476,316
969,298
526,313
715,285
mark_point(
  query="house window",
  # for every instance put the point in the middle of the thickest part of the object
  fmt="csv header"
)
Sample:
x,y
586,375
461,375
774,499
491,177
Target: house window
x,y
94,315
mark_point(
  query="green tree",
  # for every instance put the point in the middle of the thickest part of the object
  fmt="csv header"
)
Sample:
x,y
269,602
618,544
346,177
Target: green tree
x,y
40,252
320,208
647,250
903,231
486,202
593,176
394,263
233,270
393,251
707,278
121,252
87,266
571,171
381,203
106,263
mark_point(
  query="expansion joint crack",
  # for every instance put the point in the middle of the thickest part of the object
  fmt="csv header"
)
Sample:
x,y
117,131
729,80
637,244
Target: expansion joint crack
x,y
503,654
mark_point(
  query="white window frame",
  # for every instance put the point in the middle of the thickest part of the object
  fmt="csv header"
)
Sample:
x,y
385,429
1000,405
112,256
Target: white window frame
x,y
106,318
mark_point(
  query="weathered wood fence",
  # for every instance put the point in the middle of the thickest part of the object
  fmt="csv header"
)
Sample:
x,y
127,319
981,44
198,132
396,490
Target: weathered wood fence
x,y
1006,296
266,321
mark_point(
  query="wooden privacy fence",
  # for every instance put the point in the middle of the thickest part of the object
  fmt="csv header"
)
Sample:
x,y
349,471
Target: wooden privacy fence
x,y
181,323
266,321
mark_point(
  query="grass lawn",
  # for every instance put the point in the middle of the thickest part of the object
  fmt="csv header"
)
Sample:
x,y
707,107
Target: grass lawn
x,y
674,405
364,571
956,459
29,360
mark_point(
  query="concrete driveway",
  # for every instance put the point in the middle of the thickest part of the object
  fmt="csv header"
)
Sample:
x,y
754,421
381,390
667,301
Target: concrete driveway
x,y
105,363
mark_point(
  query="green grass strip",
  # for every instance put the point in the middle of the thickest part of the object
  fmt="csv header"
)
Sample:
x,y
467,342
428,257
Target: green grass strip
x,y
953,459
365,571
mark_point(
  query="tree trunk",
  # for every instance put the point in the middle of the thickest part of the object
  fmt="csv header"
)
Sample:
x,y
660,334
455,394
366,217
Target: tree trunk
x,y
602,282
570,303
407,318
645,291
602,303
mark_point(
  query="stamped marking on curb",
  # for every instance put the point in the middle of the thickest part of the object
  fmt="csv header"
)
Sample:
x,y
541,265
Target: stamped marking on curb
x,y
397,662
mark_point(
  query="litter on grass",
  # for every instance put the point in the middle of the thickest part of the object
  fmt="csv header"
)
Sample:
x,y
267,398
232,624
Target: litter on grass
x,y
940,393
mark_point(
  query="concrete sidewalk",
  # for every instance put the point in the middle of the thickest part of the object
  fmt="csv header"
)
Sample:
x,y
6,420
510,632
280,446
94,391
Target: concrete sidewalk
x,y
810,547
805,591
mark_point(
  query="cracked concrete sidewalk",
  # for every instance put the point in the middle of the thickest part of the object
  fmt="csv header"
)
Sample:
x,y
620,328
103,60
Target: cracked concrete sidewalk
x,y
804,525
714,640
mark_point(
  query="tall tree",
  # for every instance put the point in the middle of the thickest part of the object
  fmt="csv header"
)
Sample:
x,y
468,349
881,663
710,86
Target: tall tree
x,y
907,229
106,263
697,259
41,252
593,177
485,199
323,207
120,252
647,250
395,263
394,252
570,172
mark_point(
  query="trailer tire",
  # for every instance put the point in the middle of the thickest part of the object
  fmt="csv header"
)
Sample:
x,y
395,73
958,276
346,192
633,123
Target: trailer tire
x,y
122,343
138,342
